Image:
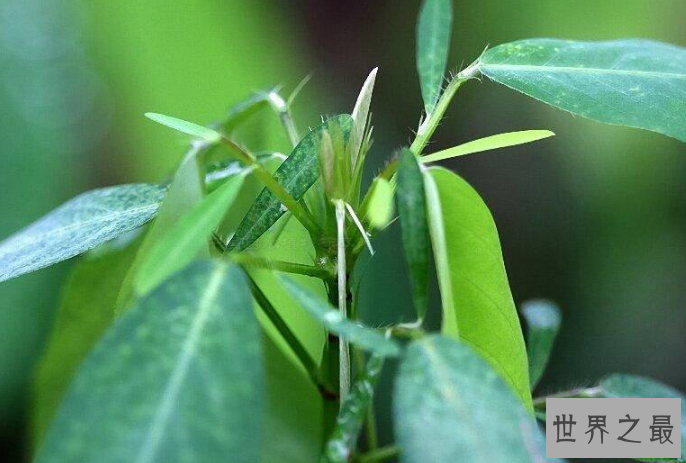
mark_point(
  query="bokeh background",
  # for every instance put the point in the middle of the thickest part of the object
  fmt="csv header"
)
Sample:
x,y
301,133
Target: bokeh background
x,y
594,218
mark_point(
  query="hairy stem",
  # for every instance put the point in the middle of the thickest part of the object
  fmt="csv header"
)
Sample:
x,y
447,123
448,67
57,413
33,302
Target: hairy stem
x,y
283,266
275,187
344,351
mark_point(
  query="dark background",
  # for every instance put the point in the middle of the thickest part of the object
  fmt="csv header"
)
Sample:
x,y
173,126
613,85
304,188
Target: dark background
x,y
593,218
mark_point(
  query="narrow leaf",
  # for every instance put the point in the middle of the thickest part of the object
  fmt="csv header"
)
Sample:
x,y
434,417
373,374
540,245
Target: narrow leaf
x,y
434,28
632,386
543,322
380,206
179,377
242,110
333,321
360,115
86,310
414,226
451,406
341,445
502,140
182,243
80,224
297,174
476,298
636,83
189,128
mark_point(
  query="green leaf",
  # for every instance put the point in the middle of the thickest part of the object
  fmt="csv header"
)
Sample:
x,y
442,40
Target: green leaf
x,y
632,386
414,226
78,225
343,440
335,322
434,28
184,361
360,115
477,303
85,311
185,191
182,243
543,323
242,110
297,174
636,83
502,140
451,406
380,206
189,128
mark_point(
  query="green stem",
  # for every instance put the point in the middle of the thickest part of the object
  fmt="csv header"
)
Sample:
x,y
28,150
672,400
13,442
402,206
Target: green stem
x,y
282,266
279,191
582,393
381,454
343,352
284,111
304,357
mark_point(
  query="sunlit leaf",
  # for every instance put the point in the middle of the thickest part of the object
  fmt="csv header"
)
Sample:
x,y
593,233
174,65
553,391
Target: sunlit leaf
x,y
631,386
502,140
543,323
335,322
182,243
354,409
475,293
434,28
636,83
78,225
189,128
297,174
380,206
414,226
360,114
451,406
184,361
85,311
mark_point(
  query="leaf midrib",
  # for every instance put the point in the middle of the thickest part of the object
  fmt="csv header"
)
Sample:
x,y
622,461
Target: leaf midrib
x,y
539,68
171,390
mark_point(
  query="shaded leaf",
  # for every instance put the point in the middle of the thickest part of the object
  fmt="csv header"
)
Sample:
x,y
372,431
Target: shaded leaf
x,y
297,174
85,311
335,322
502,140
185,240
543,323
450,406
633,82
354,409
414,226
189,128
78,225
160,384
434,28
475,293
242,110
633,386
380,206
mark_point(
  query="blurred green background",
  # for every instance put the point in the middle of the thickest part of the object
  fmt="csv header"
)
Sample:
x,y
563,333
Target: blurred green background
x,y
594,218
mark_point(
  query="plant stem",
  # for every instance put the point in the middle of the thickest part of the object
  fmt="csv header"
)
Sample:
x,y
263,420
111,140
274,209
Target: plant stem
x,y
307,362
275,187
282,266
343,350
580,392
284,111
381,454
